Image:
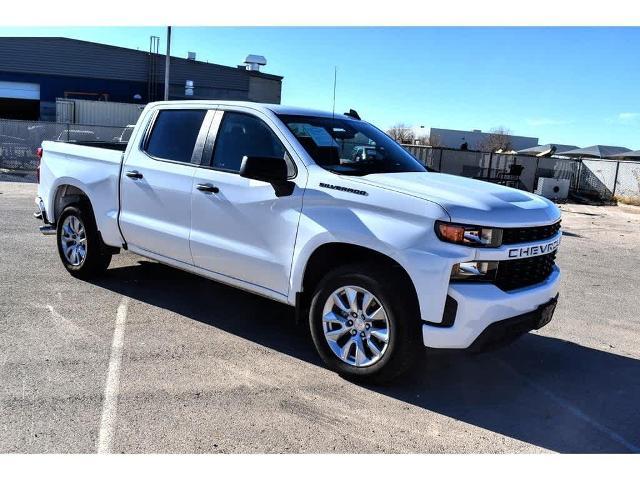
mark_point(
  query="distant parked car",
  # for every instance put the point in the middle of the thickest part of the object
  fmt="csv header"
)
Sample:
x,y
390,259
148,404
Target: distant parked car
x,y
36,134
11,139
12,146
77,136
125,135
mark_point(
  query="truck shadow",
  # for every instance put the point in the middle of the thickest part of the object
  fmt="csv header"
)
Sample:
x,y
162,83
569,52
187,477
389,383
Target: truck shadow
x,y
544,391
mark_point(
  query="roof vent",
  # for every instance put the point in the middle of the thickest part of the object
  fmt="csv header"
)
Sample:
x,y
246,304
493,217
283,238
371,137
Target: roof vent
x,y
191,56
254,62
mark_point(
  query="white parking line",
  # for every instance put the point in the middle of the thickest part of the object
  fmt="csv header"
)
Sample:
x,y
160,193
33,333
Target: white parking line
x,y
110,403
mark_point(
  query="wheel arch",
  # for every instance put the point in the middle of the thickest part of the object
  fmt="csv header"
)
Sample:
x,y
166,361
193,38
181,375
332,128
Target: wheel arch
x,y
66,194
330,255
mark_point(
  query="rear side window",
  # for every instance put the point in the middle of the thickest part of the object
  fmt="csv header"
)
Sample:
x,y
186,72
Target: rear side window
x,y
174,134
241,134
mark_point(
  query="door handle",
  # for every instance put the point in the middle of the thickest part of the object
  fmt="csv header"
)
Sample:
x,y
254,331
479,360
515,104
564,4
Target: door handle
x,y
133,174
207,187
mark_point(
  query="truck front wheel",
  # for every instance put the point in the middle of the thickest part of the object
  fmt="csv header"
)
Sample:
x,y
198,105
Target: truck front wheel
x,y
79,244
364,323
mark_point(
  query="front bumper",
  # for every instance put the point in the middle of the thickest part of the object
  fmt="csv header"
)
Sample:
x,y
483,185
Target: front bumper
x,y
505,331
481,305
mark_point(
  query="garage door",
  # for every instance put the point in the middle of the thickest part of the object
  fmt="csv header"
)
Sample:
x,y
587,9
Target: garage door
x,y
21,90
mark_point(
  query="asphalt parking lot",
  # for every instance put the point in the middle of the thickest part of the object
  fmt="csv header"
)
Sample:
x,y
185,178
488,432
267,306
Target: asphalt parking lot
x,y
207,368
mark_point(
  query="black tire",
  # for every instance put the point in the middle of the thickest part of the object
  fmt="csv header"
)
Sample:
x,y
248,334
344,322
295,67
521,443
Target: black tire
x,y
398,301
97,257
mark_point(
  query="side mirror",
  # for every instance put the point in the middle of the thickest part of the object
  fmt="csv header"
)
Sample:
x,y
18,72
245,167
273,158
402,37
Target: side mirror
x,y
273,170
265,169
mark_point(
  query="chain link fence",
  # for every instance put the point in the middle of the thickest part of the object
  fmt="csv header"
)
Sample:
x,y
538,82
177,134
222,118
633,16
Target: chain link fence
x,y
628,181
20,139
597,179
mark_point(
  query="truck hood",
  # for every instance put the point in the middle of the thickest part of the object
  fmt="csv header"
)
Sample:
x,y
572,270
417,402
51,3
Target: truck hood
x,y
471,201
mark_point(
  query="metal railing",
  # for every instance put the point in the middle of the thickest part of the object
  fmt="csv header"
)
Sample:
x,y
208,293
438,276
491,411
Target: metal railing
x,y
596,178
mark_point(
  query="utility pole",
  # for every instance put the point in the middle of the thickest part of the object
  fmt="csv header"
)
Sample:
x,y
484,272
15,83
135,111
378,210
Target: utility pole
x,y
166,65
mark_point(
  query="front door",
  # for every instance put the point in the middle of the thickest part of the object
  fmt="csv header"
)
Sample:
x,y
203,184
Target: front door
x,y
239,227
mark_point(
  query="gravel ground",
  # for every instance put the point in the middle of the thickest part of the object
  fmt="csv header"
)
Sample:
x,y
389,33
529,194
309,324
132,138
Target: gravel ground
x,y
207,368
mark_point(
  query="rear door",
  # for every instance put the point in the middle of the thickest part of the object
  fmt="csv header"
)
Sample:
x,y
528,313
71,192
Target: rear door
x,y
157,179
241,229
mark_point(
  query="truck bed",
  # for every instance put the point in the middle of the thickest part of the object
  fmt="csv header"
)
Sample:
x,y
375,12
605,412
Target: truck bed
x,y
120,146
92,169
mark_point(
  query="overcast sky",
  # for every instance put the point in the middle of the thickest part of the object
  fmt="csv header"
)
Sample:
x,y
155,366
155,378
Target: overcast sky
x,y
564,85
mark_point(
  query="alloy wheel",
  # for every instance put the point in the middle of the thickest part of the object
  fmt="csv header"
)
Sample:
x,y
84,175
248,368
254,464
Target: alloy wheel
x,y
73,240
356,326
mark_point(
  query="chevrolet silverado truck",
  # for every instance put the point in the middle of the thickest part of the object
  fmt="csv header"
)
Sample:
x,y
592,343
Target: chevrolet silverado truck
x,y
380,256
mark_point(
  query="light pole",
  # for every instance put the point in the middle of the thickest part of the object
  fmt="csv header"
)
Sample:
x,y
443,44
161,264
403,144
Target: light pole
x,y
167,65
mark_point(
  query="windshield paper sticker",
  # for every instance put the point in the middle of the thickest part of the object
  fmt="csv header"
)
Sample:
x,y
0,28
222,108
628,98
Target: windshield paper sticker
x,y
320,136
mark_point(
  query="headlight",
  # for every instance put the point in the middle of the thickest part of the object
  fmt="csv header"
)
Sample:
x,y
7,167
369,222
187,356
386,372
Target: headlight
x,y
469,235
474,271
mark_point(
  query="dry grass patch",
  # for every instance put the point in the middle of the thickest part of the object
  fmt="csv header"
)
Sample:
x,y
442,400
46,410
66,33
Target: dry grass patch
x,y
628,199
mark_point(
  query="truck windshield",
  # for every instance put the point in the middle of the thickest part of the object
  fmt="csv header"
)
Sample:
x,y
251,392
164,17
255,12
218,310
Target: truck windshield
x,y
350,147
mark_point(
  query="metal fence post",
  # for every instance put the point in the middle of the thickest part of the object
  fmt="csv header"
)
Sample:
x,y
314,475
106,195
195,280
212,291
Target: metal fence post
x,y
615,179
536,175
579,176
490,164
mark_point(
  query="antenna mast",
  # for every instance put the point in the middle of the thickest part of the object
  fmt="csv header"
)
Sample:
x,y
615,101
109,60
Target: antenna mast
x,y
335,77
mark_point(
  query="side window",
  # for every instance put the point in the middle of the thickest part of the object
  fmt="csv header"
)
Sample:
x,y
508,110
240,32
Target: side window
x,y
241,134
174,134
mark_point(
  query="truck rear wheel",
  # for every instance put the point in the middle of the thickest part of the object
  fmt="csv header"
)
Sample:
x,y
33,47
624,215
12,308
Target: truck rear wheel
x,y
364,323
79,244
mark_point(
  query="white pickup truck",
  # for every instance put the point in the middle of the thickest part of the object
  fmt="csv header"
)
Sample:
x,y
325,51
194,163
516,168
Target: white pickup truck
x,y
319,211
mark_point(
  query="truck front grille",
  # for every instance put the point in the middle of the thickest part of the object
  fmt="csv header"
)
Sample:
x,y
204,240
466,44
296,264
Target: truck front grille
x,y
524,272
529,234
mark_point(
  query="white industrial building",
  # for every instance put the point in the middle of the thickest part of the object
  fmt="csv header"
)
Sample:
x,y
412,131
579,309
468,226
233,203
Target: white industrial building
x,y
473,140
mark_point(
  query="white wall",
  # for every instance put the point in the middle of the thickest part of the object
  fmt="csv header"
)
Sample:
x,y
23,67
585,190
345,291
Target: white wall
x,y
91,112
454,138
